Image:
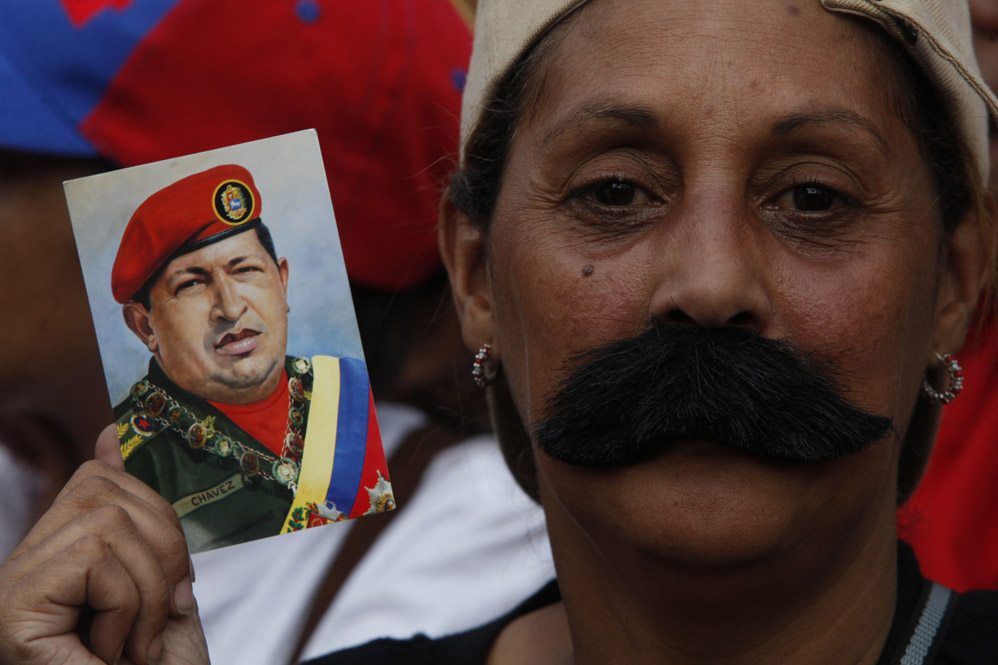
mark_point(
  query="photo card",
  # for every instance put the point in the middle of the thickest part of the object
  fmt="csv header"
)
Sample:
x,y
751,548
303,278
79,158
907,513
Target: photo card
x,y
228,338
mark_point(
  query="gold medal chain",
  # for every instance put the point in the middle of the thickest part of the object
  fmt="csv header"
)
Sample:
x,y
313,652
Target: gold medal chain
x,y
166,411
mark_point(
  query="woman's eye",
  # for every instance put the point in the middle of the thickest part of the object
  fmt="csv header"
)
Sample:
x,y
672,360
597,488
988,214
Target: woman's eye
x,y
617,193
813,198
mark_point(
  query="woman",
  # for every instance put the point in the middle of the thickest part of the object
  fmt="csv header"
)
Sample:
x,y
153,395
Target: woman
x,y
650,192
710,251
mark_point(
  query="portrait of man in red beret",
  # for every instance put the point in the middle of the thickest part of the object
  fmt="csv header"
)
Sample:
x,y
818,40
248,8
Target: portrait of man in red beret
x,y
243,438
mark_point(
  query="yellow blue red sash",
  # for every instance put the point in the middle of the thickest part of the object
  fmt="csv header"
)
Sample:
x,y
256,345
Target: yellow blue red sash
x,y
336,441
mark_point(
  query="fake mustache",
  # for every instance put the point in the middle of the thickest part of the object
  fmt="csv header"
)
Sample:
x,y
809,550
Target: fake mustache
x,y
626,401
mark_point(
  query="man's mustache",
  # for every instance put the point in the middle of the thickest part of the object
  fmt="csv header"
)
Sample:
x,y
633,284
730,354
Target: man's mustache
x,y
628,400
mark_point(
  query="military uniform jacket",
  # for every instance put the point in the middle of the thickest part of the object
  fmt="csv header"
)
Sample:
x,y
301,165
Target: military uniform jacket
x,y
228,488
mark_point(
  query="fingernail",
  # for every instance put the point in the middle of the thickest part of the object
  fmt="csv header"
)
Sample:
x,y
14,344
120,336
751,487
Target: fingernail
x,y
190,569
155,649
183,596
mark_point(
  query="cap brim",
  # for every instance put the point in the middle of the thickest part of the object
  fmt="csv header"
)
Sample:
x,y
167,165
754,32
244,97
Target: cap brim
x,y
28,123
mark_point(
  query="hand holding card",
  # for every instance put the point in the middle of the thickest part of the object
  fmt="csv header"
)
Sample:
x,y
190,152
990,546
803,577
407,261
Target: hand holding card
x,y
110,554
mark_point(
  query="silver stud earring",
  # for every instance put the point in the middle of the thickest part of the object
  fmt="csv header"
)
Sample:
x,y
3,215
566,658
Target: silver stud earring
x,y
954,384
478,367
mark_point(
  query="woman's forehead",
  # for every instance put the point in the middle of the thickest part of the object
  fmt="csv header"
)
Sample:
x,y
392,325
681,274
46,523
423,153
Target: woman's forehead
x,y
935,32
708,68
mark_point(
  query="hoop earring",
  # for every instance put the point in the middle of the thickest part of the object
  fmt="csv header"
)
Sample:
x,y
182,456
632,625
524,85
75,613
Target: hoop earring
x,y
955,382
478,367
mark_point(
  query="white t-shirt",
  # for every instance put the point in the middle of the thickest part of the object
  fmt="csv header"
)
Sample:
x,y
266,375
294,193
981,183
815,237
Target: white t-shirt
x,y
466,548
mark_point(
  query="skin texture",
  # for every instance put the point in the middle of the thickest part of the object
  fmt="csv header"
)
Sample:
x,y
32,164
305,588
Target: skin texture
x,y
217,322
763,189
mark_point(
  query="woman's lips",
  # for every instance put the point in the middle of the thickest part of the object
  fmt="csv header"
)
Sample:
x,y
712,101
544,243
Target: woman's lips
x,y
237,344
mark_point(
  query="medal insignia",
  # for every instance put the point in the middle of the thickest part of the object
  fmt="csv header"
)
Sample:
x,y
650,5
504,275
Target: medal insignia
x,y
174,414
294,386
302,365
223,446
381,497
312,514
293,443
250,464
130,446
197,435
325,514
154,404
233,202
142,425
285,471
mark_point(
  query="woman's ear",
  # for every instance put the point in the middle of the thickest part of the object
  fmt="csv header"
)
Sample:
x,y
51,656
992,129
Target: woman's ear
x,y
463,249
964,272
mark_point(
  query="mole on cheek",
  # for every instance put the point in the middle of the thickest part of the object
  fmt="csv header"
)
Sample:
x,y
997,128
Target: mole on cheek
x,y
793,10
587,271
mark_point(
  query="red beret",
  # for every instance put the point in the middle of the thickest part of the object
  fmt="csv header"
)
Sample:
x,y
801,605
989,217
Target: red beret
x,y
193,212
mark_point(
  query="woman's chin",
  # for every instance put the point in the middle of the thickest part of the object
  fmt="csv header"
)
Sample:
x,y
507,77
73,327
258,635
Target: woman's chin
x,y
701,505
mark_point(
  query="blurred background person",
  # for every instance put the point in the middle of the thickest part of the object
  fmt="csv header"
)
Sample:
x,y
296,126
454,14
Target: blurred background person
x,y
51,402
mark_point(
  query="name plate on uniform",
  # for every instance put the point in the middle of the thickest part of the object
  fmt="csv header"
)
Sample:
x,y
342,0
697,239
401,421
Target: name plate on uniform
x,y
194,501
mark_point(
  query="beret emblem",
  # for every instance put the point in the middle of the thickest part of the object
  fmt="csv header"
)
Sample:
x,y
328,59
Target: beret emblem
x,y
233,202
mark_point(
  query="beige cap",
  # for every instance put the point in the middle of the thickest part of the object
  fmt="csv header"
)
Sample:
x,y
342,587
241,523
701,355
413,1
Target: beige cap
x,y
936,32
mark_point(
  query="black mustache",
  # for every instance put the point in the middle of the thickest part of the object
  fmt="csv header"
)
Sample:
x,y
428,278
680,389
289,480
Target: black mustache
x,y
626,401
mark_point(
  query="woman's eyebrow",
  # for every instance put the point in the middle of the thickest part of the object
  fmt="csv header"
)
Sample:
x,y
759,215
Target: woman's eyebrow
x,y
638,117
643,118
793,121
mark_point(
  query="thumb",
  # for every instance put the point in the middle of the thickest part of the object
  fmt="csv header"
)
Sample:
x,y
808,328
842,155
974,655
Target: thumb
x,y
183,641
108,449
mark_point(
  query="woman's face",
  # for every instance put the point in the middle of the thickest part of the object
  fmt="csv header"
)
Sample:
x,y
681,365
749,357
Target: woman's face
x,y
719,164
